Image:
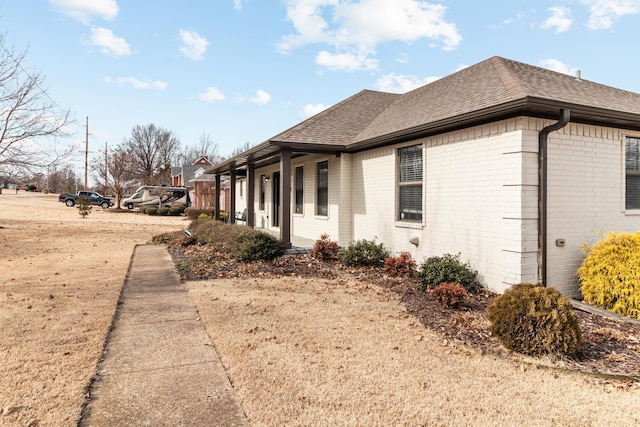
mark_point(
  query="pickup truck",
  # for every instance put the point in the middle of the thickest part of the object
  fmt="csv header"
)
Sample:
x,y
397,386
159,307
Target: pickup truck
x,y
95,198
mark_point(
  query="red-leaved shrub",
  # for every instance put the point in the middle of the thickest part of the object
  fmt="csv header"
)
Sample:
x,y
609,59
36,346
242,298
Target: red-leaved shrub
x,y
402,265
324,249
449,294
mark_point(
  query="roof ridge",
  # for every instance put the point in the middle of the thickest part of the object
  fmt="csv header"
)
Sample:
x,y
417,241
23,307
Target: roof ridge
x,y
514,85
317,117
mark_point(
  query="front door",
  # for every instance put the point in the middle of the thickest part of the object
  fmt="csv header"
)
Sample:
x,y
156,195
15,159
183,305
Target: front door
x,y
275,190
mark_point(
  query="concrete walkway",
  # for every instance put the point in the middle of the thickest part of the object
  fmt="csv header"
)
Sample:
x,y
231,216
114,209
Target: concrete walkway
x,y
159,367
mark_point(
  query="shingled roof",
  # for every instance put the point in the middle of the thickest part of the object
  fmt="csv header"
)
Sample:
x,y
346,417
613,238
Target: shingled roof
x,y
493,89
341,123
501,87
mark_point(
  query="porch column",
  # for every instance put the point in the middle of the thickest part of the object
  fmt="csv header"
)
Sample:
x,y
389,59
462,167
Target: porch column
x,y
251,189
285,195
216,196
232,190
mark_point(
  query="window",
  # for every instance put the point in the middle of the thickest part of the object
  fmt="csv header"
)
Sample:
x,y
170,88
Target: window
x,y
632,169
299,189
322,188
410,183
261,189
241,187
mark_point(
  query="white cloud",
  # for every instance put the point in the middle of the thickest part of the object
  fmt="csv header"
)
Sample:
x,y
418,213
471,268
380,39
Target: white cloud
x,y
311,110
85,10
345,61
555,65
212,94
237,4
109,44
261,97
560,19
137,84
356,28
194,46
398,83
603,13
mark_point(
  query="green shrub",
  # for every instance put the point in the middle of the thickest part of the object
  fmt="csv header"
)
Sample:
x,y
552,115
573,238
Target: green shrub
x,y
365,253
446,269
450,295
610,274
162,211
193,212
535,320
258,245
142,209
236,241
176,210
84,206
151,210
324,249
223,216
402,265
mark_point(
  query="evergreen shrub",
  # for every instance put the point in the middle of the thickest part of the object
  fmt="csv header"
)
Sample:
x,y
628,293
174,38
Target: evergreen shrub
x,y
610,274
446,269
535,320
365,253
151,210
162,211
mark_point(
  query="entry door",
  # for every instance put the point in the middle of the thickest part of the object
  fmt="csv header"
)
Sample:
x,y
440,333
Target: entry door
x,y
275,190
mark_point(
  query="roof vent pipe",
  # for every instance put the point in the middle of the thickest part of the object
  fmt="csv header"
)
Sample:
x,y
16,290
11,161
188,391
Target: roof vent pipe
x,y
578,75
565,115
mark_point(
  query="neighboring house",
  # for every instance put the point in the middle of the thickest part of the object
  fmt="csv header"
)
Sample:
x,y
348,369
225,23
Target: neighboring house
x,y
183,176
204,191
510,165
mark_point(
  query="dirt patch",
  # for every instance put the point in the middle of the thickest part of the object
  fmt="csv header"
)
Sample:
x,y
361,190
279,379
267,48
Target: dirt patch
x,y
60,279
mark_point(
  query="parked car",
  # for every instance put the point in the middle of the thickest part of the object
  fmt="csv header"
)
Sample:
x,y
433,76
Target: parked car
x,y
95,199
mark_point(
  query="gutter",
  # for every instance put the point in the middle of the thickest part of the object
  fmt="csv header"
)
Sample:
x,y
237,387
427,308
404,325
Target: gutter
x,y
543,140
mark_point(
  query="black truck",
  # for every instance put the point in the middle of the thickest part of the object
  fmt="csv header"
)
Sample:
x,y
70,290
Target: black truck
x,y
95,198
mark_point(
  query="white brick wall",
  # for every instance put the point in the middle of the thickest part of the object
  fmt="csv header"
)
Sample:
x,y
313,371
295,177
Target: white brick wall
x,y
586,196
481,192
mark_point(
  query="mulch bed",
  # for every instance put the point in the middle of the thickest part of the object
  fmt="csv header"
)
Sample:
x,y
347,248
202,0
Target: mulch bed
x,y
610,348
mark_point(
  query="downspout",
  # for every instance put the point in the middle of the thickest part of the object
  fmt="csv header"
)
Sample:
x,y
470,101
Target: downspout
x,y
565,115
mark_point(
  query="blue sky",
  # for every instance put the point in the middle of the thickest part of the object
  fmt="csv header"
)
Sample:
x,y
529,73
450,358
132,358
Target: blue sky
x,y
245,70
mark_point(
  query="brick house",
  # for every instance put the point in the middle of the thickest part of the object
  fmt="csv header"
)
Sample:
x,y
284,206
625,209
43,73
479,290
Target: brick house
x,y
511,165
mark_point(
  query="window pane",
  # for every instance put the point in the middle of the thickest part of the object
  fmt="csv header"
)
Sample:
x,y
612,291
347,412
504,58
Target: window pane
x,y
322,188
411,203
410,163
632,182
299,189
633,192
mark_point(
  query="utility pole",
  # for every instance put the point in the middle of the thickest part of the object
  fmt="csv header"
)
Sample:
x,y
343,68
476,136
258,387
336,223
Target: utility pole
x,y
106,167
86,155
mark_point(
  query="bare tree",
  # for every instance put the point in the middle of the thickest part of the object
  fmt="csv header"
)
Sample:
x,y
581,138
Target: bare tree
x,y
63,180
113,167
244,147
27,114
206,146
151,150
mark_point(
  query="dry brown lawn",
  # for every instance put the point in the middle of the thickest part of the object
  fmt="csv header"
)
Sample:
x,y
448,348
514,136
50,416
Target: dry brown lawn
x,y
298,351
60,279
327,352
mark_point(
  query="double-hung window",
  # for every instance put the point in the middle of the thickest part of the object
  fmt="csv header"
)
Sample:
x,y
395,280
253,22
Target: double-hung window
x,y
632,173
410,183
299,189
322,188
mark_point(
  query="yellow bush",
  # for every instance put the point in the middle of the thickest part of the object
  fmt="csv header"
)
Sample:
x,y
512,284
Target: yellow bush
x,y
610,274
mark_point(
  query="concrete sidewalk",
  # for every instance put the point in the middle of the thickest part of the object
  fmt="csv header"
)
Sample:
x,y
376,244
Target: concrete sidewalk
x,y
159,367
